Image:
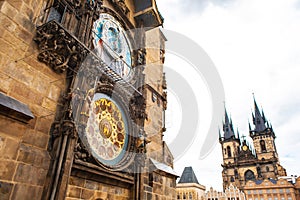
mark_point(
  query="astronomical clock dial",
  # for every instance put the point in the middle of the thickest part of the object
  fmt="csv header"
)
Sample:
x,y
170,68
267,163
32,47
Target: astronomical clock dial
x,y
112,45
106,130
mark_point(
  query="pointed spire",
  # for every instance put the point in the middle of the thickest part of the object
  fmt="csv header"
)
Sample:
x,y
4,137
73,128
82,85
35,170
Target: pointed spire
x,y
238,133
220,136
228,127
250,129
258,119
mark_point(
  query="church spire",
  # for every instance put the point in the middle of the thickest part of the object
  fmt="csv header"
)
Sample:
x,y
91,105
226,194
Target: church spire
x,y
228,127
258,118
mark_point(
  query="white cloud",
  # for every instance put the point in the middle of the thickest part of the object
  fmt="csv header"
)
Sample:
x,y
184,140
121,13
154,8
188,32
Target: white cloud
x,y
256,46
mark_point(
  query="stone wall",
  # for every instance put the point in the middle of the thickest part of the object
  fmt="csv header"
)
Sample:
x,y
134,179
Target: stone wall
x,y
86,189
24,160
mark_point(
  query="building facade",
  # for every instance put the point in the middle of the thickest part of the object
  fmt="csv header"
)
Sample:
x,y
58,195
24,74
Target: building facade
x,y
270,189
188,186
82,99
231,193
241,162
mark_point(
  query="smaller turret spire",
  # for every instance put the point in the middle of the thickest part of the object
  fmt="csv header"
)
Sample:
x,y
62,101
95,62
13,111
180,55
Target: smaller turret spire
x,y
228,127
258,118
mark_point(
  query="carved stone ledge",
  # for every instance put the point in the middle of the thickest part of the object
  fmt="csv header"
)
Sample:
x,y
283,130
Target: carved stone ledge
x,y
58,48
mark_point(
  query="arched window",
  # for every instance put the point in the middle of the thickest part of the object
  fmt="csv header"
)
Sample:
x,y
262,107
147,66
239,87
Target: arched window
x,y
184,197
267,169
249,175
231,179
228,151
263,146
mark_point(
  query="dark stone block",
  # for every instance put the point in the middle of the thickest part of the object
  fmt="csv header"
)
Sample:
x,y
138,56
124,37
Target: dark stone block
x,y
5,190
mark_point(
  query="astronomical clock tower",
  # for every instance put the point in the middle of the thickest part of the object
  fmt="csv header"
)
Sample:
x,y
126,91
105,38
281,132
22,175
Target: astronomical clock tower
x,y
242,161
96,101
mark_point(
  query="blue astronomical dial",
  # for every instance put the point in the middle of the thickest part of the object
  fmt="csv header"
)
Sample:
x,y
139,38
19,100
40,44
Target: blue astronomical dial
x,y
112,45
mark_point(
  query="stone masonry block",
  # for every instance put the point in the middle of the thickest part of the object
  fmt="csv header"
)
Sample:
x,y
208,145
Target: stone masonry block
x,y
8,148
76,181
27,192
7,169
74,191
49,104
44,123
33,156
5,190
36,138
87,194
7,23
10,38
30,174
5,82
54,92
8,10
16,4
11,127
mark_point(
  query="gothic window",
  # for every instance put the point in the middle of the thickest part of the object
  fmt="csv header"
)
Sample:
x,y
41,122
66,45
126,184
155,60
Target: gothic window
x,y
231,179
263,146
225,151
236,174
267,169
151,179
178,196
184,197
249,175
228,151
190,196
154,97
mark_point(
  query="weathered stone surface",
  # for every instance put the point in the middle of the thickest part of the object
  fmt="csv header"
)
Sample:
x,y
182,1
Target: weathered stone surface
x,y
49,104
7,169
54,92
11,127
8,10
10,38
27,192
41,83
5,190
91,185
44,123
7,23
5,82
16,4
36,157
6,48
74,191
30,174
36,138
87,194
8,148
76,181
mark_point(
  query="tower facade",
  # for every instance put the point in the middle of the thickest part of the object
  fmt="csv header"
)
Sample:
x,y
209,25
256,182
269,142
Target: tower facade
x,y
242,161
81,108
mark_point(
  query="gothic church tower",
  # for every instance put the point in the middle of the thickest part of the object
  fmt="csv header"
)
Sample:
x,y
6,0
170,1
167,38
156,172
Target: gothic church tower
x,y
241,162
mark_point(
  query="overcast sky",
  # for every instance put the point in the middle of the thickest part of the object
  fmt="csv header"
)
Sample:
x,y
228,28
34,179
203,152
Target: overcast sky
x,y
255,47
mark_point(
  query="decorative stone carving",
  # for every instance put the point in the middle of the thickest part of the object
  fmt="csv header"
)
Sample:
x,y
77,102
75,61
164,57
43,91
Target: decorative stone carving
x,y
57,48
138,107
121,5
